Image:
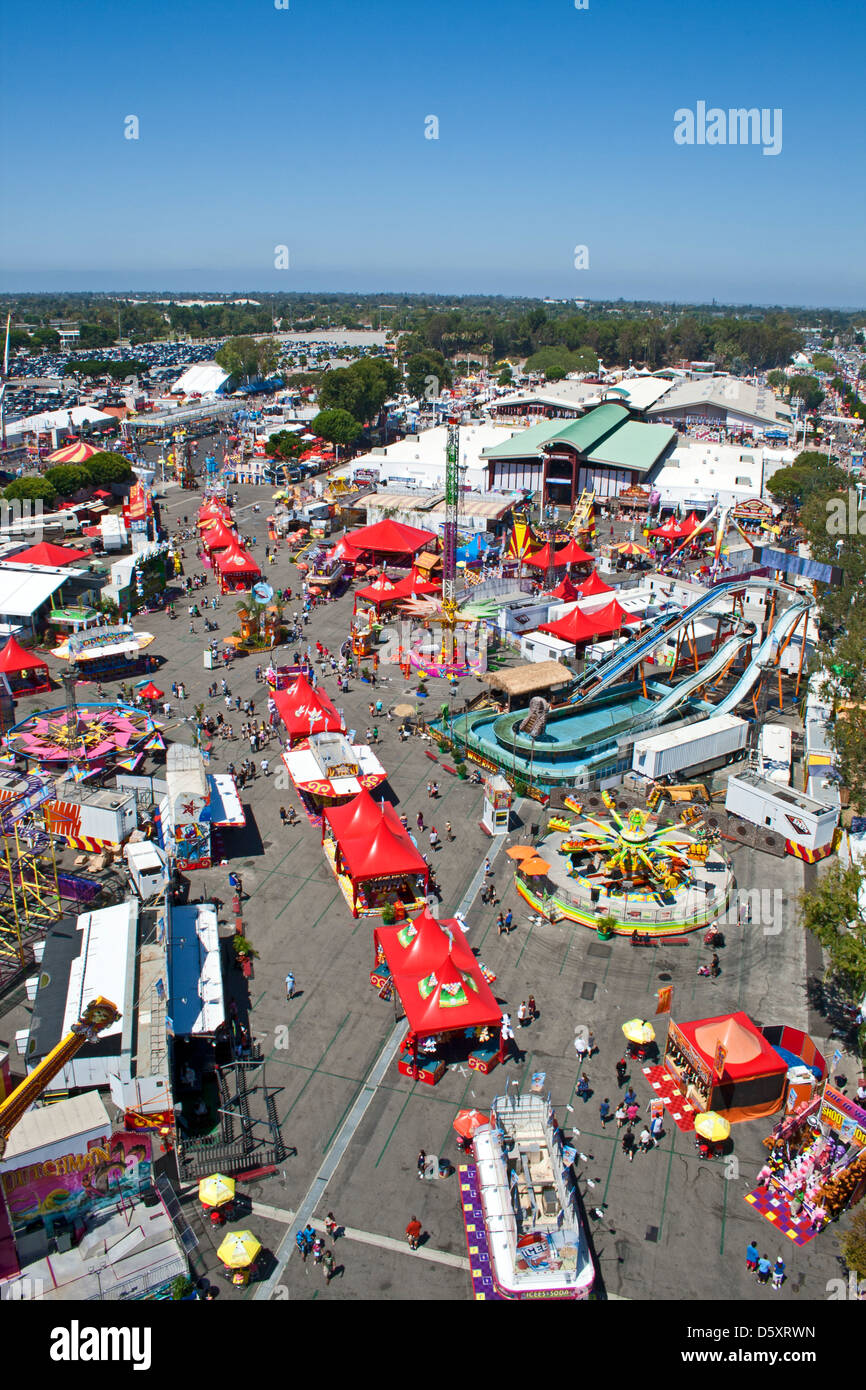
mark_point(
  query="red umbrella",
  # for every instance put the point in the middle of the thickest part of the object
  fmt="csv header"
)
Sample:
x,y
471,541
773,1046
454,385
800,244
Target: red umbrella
x,y
466,1122
151,692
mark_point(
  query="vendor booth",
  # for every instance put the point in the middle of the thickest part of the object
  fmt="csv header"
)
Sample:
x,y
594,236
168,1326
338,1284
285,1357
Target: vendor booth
x,y
816,1167
326,770
25,672
446,996
393,541
373,856
237,569
725,1064
305,711
107,653
218,536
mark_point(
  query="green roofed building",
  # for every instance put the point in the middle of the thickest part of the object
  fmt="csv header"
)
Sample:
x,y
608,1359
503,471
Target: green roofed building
x,y
604,451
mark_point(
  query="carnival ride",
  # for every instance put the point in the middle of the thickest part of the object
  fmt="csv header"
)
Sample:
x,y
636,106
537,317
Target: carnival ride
x,y
29,891
89,737
98,1015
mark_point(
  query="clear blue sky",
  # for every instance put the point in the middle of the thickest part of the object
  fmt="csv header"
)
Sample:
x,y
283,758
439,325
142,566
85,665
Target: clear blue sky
x,y
305,127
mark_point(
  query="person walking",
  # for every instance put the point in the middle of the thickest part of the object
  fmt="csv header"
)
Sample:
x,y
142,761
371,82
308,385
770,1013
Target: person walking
x,y
630,1097
434,837
332,1226
633,1113
628,1145
509,918
778,1273
264,765
303,1245
621,1071
448,831
583,1088
530,1004
657,1129
620,1116
421,1163
290,986
581,1047
413,1232
500,925
328,1265
604,1112
752,1256
765,1269
590,1042
523,1014
420,820
488,869
284,816
646,1140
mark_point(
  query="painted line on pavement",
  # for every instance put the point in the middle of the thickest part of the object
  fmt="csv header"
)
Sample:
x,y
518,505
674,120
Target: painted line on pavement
x,y
348,1129
426,1252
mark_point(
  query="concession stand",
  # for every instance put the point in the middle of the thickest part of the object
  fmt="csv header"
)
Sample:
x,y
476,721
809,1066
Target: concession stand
x,y
373,856
237,569
326,770
25,672
725,1064
305,711
445,993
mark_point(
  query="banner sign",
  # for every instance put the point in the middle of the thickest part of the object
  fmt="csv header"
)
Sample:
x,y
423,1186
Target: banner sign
x,y
159,1119
696,1061
843,1116
719,1059
664,996
93,639
795,564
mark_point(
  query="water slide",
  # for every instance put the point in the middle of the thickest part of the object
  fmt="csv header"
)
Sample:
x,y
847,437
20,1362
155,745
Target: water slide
x,y
615,667
765,655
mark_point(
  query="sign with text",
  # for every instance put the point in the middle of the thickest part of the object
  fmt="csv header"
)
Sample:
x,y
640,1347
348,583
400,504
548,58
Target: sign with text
x,y
843,1116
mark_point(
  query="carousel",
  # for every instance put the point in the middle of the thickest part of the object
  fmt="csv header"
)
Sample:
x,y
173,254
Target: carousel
x,y
622,874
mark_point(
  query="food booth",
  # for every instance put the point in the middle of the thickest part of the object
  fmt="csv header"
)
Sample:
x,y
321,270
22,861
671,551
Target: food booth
x,y
25,672
237,569
327,770
725,1064
373,857
446,996
305,711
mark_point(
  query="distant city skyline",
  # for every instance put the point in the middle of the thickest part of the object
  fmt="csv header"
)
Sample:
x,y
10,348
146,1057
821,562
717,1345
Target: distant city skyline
x,y
503,149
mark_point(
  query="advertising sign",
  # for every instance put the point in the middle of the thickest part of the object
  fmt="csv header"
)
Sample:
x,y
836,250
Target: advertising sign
x,y
95,639
157,1119
719,1059
844,1117
685,1047
664,996
77,1184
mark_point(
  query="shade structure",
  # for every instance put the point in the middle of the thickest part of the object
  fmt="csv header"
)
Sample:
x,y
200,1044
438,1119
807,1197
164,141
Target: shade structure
x,y
151,691
17,664
413,586
344,550
573,554
219,537
360,816
712,1126
417,947
55,555
594,585
207,519
236,566
535,867
521,852
639,1031
441,987
752,1077
579,626
216,1190
540,559
380,592
76,452
389,537
239,1249
631,548
304,710
386,853
467,1122
672,530
565,590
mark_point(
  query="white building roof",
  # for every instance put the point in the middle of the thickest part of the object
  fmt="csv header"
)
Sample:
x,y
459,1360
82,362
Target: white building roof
x,y
419,459
202,379
59,420
24,590
55,1124
105,965
197,1002
185,772
728,393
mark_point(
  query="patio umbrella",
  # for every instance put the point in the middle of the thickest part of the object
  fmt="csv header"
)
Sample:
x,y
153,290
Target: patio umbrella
x,y
712,1126
216,1190
631,548
151,691
637,1031
521,852
239,1249
535,867
467,1121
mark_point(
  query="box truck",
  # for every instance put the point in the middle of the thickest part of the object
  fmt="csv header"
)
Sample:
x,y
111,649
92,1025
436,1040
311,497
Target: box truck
x,y
803,821
694,747
148,868
775,753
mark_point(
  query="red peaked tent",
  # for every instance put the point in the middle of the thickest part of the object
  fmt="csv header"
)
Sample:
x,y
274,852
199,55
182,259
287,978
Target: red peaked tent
x,y
237,569
218,537
578,626
298,703
413,586
379,592
391,537
572,554
371,842
672,530
565,590
16,662
360,816
47,554
414,948
752,1082
594,585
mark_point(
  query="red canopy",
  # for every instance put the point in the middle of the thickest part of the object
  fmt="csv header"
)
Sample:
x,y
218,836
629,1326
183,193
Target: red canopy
x,y
386,853
416,947
594,585
672,530
344,551
360,816
413,586
572,554
14,658
47,554
234,560
444,991
391,538
748,1052
218,537
578,626
151,691
297,704
565,590
379,592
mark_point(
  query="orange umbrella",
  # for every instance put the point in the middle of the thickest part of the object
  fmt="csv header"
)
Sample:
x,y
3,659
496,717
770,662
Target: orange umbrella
x,y
535,867
521,852
467,1121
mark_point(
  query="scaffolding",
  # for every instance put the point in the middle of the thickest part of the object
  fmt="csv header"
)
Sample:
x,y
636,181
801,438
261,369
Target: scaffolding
x,y
29,891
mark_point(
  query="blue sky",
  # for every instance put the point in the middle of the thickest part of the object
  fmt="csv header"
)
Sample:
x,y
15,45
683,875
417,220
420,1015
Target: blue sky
x,y
305,127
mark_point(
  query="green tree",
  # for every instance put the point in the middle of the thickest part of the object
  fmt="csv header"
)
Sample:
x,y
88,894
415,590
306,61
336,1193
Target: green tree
x,y
268,354
425,370
823,362
811,474
239,357
67,478
555,373
106,467
44,338
361,389
32,489
284,445
832,914
808,388
776,379
337,426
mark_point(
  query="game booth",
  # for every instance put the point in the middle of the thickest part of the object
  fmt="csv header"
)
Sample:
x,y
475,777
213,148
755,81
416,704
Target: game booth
x,y
446,997
374,858
816,1166
218,536
327,770
25,673
236,568
726,1065
305,711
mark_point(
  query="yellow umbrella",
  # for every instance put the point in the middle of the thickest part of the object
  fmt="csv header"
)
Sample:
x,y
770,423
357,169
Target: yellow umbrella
x,y
535,867
239,1249
216,1190
521,852
639,1032
712,1126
